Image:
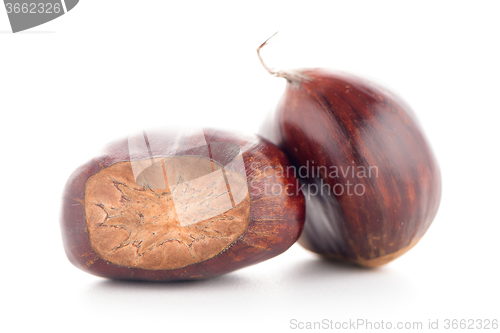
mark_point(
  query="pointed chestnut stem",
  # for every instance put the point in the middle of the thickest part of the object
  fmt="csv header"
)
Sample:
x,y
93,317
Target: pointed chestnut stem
x,y
290,76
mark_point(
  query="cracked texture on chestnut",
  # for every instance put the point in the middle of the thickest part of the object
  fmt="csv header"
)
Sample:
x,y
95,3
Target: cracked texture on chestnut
x,y
193,210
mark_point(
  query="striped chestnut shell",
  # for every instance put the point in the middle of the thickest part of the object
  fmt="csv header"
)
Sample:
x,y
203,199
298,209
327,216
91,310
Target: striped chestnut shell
x,y
371,181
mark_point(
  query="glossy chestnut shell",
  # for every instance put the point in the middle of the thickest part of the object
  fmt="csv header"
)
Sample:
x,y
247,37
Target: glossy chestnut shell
x,y
176,206
353,135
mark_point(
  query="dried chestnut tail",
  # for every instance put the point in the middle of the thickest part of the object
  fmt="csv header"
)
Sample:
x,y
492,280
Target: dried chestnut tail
x,y
371,181
163,206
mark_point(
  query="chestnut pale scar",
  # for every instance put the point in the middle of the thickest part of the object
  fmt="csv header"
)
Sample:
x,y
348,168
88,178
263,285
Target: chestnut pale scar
x,y
176,212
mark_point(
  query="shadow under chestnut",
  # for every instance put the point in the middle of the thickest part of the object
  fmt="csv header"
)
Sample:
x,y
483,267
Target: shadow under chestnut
x,y
289,288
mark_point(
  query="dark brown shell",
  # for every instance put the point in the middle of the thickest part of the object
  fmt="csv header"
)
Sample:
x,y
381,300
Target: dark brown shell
x,y
275,219
330,119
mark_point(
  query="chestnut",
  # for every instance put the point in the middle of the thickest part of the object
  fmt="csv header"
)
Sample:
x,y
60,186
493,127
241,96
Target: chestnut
x,y
371,180
180,205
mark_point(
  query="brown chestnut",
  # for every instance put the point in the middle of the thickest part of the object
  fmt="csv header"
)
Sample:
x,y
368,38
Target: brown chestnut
x,y
174,206
371,181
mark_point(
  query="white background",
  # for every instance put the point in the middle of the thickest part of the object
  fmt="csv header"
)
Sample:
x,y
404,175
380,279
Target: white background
x,y
111,68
